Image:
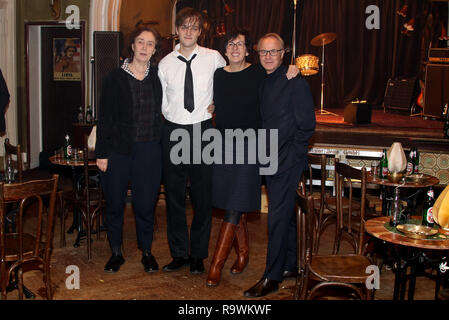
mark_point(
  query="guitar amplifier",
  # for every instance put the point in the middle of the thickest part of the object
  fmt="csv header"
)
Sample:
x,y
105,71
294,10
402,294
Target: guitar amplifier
x,y
399,94
439,55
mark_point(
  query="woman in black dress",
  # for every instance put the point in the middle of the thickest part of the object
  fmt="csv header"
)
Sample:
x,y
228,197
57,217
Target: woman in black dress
x,y
236,187
128,145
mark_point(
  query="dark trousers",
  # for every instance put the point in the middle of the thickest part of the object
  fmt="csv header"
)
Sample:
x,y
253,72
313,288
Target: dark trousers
x,y
281,249
143,168
175,177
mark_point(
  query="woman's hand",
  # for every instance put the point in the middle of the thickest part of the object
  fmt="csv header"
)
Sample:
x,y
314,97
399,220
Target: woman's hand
x,y
292,71
211,108
102,164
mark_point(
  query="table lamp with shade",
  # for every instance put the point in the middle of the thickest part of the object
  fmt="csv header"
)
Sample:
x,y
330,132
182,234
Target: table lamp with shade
x,y
397,162
440,209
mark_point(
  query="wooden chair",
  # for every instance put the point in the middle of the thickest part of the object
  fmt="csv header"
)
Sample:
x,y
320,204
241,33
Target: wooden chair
x,y
330,272
317,173
87,199
10,151
17,164
26,247
350,218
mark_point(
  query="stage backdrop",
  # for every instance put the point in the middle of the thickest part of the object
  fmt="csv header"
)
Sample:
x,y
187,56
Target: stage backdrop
x,y
359,62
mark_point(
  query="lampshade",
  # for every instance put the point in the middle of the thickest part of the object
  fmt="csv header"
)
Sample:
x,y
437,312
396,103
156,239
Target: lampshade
x,y
397,161
440,209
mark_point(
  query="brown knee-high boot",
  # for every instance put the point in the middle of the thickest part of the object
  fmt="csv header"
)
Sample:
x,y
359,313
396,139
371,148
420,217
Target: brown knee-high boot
x,y
241,247
222,249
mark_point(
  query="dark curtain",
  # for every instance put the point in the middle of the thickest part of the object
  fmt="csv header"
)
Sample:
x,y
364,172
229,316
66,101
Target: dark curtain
x,y
359,62
258,16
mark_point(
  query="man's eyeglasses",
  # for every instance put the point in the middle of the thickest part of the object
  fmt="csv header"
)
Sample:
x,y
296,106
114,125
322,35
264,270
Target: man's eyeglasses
x,y
273,52
186,27
239,44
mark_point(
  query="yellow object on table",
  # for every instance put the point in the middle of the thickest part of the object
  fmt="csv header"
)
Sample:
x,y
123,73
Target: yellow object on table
x,y
440,209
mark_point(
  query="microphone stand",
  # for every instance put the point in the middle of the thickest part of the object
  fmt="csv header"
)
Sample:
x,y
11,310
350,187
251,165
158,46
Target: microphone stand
x,y
294,33
92,90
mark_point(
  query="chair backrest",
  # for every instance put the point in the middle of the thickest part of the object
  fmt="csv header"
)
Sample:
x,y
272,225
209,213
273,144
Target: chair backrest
x,y
316,172
10,151
25,193
347,179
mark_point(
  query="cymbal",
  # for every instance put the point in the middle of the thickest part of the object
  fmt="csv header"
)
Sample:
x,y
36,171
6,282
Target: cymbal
x,y
323,39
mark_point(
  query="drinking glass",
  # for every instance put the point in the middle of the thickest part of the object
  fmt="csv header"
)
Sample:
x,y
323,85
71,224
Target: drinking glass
x,y
374,169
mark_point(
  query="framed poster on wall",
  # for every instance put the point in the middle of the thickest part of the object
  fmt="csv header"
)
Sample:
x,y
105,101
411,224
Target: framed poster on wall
x,y
66,59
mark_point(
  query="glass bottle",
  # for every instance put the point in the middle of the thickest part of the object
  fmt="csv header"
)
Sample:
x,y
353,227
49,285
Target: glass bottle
x,y
89,115
410,161
9,172
80,115
67,147
396,211
446,125
416,161
384,165
427,216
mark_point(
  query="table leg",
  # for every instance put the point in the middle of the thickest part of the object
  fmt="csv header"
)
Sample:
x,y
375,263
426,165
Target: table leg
x,y
397,283
412,282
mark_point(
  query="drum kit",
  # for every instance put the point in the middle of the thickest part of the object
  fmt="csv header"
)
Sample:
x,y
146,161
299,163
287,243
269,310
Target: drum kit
x,y
308,63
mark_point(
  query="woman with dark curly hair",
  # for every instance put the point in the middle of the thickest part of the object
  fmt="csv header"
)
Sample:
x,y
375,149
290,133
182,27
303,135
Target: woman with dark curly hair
x,y
128,144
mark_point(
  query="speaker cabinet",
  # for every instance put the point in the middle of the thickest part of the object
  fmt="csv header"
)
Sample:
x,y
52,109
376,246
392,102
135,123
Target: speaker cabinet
x,y
436,92
107,47
357,113
399,94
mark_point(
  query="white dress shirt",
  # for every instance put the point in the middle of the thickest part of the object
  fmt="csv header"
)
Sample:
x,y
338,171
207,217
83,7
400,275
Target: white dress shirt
x,y
172,75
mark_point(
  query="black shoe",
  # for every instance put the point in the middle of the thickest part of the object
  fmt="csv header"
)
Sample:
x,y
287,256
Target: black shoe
x,y
289,275
149,263
114,263
196,266
262,288
176,264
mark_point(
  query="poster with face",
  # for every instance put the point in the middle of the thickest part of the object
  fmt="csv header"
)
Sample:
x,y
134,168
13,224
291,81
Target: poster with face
x,y
66,59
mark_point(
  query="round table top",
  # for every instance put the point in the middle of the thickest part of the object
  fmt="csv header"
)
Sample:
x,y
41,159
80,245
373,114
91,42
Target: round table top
x,y
425,181
376,228
70,162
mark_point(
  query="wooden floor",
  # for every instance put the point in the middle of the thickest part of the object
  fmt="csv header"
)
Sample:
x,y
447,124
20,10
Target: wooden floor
x,y
132,283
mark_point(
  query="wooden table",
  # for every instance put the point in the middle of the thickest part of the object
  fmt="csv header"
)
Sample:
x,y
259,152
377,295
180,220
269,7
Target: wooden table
x,y
73,164
416,254
425,182
70,162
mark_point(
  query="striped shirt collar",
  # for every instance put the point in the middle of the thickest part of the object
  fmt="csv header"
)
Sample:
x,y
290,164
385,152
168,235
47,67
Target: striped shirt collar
x,y
125,67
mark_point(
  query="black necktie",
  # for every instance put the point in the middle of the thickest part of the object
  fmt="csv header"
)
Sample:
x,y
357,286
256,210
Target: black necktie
x,y
189,103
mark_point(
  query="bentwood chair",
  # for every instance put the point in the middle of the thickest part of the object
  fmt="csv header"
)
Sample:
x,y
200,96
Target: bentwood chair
x,y
350,218
32,243
316,173
322,276
15,154
87,199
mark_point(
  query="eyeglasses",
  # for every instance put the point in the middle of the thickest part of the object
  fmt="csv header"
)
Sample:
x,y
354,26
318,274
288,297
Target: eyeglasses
x,y
186,27
231,44
273,52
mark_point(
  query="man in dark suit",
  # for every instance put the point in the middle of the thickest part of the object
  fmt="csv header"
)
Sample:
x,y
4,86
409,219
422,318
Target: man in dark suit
x,y
286,106
4,101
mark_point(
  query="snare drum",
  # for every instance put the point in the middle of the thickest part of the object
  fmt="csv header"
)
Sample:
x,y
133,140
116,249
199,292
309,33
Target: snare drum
x,y
307,64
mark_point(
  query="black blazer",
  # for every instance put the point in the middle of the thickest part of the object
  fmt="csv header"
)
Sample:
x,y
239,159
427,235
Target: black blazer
x,y
115,119
287,106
